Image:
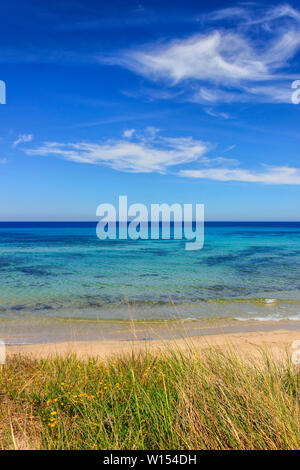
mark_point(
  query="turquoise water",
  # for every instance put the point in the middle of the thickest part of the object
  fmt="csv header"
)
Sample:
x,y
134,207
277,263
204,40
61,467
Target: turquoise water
x,y
244,271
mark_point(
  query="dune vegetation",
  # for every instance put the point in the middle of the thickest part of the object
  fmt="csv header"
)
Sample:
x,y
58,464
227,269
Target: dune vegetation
x,y
169,400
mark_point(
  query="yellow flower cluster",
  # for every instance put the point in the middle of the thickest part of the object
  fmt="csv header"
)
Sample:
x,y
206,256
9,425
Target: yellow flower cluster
x,y
65,385
52,419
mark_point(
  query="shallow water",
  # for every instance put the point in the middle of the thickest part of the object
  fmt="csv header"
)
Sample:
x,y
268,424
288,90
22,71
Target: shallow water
x,y
245,271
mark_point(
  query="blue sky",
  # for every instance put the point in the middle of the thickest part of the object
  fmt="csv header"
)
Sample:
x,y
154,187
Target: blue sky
x,y
185,102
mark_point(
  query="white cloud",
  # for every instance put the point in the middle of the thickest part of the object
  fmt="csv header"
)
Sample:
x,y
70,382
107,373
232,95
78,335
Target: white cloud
x,y
252,15
224,56
213,113
3,161
22,138
244,62
147,153
272,175
152,131
275,13
225,13
264,93
128,133
228,149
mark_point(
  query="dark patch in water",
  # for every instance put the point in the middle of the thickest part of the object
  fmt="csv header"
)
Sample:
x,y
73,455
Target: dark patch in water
x,y
213,260
245,270
149,275
8,262
41,306
32,271
158,252
254,250
18,307
75,255
233,290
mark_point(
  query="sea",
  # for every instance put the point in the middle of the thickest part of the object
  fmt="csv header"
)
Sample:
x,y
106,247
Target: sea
x,y
52,273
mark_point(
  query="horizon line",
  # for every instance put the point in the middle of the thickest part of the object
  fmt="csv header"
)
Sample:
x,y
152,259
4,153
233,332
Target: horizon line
x,y
117,221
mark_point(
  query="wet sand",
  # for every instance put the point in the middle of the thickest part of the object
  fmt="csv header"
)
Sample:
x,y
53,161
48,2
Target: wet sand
x,y
30,330
272,337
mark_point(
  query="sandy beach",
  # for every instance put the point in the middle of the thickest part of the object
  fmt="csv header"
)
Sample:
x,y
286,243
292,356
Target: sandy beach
x,y
246,343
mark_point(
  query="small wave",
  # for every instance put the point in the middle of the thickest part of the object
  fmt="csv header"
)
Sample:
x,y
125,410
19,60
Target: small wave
x,y
269,318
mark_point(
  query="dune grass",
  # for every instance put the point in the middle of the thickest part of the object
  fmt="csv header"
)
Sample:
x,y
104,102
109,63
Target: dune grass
x,y
171,400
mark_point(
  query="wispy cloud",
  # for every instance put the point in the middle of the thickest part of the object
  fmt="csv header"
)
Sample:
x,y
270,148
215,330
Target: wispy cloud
x,y
224,14
118,118
136,153
22,139
3,161
150,152
244,60
280,11
218,114
228,149
271,175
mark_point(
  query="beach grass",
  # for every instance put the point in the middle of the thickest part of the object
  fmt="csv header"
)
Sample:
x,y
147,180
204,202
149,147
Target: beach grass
x,y
209,399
